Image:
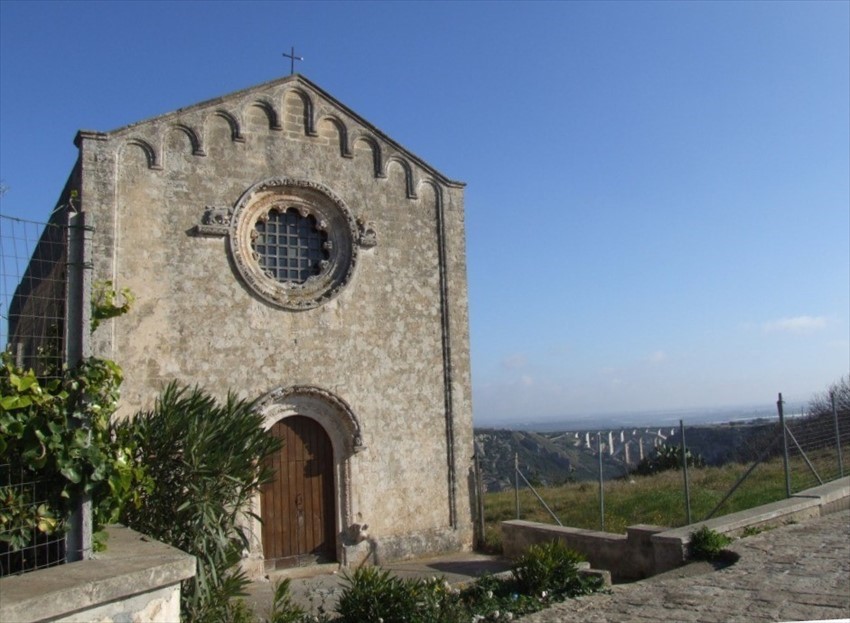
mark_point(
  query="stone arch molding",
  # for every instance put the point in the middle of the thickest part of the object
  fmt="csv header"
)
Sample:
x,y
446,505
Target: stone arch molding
x,y
328,409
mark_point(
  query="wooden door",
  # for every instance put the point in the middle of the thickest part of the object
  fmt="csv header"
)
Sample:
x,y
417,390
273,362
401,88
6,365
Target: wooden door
x,y
297,506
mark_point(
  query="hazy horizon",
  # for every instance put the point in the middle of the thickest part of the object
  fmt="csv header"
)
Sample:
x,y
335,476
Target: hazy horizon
x,y
646,418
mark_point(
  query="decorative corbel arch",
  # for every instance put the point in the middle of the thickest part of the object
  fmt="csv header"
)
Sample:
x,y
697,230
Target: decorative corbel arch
x,y
271,113
194,139
377,154
410,191
344,146
150,153
233,122
438,190
307,102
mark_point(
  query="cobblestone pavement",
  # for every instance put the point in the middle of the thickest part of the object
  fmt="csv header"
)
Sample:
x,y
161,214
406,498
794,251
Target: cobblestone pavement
x,y
795,573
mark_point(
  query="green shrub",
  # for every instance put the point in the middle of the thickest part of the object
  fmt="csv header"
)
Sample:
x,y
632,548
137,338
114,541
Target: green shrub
x,y
207,460
667,457
491,595
57,430
551,570
706,544
547,573
371,594
283,609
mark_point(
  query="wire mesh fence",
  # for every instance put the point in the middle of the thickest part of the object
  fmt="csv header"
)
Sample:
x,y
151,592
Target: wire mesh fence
x,y
33,336
33,281
817,444
26,500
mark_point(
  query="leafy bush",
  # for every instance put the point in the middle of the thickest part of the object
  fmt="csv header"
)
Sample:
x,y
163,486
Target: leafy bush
x,y
283,608
207,460
547,573
57,431
551,570
372,594
707,544
667,457
492,598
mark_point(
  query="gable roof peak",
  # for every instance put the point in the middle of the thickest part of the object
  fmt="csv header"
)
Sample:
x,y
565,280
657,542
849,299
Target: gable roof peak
x,y
315,98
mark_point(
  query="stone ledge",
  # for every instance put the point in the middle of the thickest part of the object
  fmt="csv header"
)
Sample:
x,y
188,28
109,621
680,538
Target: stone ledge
x,y
131,565
648,550
671,546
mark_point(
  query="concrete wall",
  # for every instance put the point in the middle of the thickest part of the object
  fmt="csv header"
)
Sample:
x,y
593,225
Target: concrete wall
x,y
135,579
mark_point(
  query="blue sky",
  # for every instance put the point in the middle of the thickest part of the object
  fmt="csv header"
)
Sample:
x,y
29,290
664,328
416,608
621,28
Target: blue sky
x,y
658,199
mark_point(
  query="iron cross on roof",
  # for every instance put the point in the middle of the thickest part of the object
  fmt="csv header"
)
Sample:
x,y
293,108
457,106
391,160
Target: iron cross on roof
x,y
292,58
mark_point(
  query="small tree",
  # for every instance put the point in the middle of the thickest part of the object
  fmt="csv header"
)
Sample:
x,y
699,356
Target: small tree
x,y
666,457
821,405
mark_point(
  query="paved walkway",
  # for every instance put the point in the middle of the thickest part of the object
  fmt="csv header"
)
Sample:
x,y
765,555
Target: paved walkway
x,y
323,589
795,573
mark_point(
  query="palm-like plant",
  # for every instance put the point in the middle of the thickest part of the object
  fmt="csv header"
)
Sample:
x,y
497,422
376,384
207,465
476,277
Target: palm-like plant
x,y
207,462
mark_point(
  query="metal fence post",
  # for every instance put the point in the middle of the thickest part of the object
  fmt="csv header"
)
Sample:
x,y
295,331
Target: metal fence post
x,y
516,482
601,483
77,347
779,404
685,471
837,435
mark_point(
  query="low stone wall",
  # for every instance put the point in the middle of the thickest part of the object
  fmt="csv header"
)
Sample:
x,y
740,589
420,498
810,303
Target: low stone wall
x,y
646,550
135,579
627,557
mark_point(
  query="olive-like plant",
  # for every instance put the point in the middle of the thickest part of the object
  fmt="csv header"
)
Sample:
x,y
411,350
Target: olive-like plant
x,y
207,460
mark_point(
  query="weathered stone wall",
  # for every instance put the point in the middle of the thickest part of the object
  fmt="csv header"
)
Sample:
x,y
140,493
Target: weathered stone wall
x,y
392,344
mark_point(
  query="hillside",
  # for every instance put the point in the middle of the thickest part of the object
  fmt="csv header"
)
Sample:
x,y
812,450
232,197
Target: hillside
x,y
553,458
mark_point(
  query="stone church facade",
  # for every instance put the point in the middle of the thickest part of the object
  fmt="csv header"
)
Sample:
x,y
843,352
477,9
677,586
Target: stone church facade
x,y
280,246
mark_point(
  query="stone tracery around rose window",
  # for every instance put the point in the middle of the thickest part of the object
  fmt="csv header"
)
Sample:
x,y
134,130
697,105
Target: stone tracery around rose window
x,y
294,242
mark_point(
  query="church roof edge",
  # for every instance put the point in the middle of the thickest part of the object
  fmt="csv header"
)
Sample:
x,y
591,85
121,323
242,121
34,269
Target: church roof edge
x,y
298,78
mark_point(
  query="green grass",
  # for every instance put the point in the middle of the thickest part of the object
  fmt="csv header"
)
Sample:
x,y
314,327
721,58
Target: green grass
x,y
657,499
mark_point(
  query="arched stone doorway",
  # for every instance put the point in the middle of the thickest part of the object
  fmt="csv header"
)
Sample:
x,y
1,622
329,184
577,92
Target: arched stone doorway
x,y
298,505
307,408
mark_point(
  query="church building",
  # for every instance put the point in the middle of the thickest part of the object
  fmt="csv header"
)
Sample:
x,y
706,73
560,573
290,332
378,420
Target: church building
x,y
280,246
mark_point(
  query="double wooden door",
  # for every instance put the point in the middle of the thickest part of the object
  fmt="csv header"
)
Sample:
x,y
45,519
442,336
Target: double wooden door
x,y
297,506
